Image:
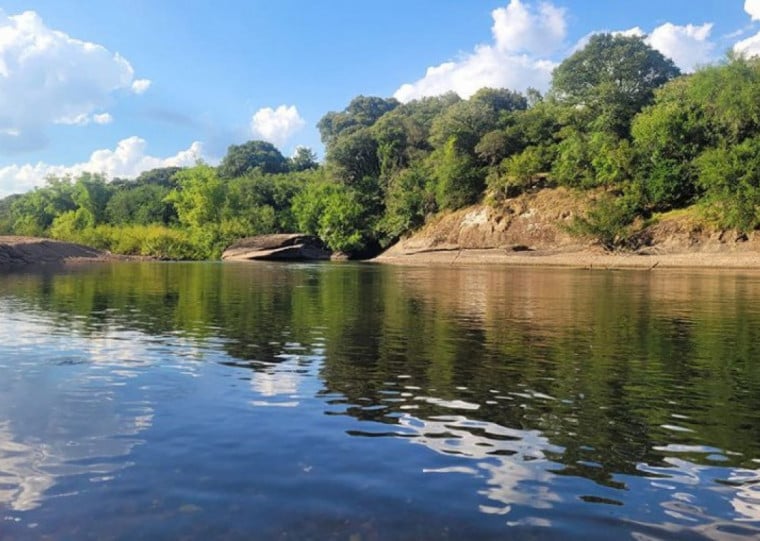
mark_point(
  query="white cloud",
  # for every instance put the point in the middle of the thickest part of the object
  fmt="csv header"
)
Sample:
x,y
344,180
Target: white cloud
x,y
523,36
48,77
688,46
749,46
752,7
277,125
127,160
103,118
518,28
139,86
84,119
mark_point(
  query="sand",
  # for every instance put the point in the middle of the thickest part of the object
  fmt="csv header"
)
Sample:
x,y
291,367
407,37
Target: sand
x,y
589,258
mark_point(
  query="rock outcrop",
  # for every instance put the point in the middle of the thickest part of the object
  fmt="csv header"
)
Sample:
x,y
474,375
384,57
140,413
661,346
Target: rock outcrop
x,y
281,247
22,251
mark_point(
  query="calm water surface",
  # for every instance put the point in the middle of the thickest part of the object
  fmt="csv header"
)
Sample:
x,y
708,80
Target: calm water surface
x,y
262,401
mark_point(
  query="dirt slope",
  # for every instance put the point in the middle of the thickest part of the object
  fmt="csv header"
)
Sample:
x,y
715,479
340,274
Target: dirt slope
x,y
533,229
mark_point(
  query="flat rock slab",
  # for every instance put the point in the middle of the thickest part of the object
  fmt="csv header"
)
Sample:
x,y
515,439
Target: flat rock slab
x,y
22,251
280,247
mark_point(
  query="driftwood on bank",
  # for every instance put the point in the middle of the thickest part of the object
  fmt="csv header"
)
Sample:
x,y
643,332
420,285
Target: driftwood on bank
x,y
281,247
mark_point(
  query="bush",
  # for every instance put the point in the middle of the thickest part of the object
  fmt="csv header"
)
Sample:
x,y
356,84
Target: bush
x,y
610,220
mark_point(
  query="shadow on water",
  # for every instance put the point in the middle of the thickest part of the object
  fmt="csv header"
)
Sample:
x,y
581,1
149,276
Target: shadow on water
x,y
558,402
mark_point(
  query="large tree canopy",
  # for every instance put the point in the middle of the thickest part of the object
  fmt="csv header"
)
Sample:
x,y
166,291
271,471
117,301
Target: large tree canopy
x,y
242,159
362,112
614,76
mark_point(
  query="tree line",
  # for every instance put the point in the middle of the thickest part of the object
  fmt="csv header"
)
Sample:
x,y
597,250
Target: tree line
x,y
619,121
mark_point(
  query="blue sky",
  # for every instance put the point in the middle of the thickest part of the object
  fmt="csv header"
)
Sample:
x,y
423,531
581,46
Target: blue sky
x,y
125,85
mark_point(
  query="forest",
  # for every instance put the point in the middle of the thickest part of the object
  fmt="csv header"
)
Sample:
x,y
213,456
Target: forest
x,y
619,122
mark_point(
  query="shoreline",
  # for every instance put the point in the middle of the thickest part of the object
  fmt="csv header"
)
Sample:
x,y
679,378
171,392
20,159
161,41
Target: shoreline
x,y
582,258
24,252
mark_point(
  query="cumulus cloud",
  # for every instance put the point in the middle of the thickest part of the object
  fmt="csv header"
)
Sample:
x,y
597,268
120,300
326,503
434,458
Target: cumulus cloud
x,y
751,45
518,28
47,77
277,125
752,7
139,86
523,36
688,46
127,160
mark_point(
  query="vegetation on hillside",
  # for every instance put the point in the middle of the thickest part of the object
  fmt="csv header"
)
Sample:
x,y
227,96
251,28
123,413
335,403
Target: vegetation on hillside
x,y
619,121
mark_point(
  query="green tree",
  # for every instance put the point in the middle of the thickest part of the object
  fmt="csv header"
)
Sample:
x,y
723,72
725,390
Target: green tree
x,y
353,156
667,137
408,201
614,76
33,213
140,204
242,159
730,177
91,194
362,112
303,159
200,196
332,212
458,180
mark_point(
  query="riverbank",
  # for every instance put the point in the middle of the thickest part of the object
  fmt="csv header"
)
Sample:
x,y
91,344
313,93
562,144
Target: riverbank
x,y
534,229
589,258
18,252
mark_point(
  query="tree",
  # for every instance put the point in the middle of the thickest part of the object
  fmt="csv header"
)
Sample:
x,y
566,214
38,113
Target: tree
x,y
362,112
242,159
500,100
142,204
303,159
332,212
91,194
613,75
465,122
667,137
408,201
161,176
730,177
459,182
354,156
200,196
34,212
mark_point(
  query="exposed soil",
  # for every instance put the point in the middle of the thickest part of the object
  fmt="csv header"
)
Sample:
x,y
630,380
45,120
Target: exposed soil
x,y
533,229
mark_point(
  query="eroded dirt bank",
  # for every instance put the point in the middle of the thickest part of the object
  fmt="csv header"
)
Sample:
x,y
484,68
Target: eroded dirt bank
x,y
534,229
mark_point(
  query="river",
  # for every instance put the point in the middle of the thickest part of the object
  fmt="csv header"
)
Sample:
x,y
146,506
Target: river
x,y
364,402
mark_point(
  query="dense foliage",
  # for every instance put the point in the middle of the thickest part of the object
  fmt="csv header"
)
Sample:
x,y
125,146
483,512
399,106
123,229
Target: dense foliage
x,y
619,120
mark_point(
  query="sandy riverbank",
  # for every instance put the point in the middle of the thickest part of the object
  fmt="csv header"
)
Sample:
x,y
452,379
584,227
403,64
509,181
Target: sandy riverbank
x,y
582,258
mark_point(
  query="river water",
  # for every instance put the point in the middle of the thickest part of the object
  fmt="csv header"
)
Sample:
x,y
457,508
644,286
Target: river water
x,y
361,402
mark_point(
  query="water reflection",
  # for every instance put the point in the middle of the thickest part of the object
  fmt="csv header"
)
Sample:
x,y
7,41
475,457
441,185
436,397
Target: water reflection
x,y
541,398
78,421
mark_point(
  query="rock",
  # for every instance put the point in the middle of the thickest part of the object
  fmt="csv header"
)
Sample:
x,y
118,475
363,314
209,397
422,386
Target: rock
x,y
281,247
22,251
